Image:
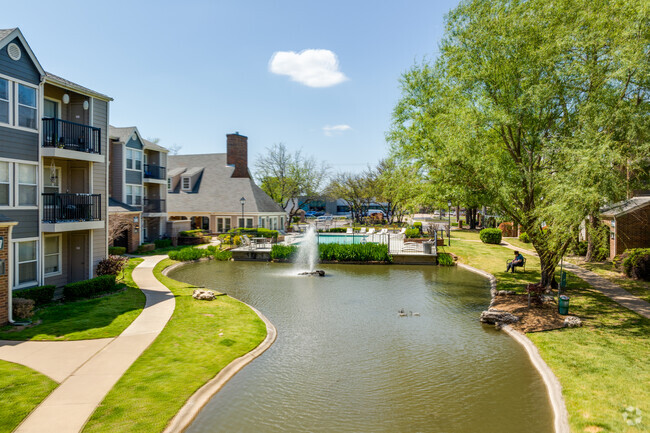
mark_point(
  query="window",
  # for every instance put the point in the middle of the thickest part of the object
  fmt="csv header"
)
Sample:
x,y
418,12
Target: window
x,y
137,157
241,222
249,223
186,183
4,101
169,184
260,222
51,184
26,264
26,107
26,184
5,190
133,159
134,195
52,255
227,224
219,225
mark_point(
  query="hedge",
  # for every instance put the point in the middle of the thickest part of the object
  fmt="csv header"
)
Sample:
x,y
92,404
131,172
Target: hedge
x,y
163,243
89,288
637,263
41,295
445,259
367,252
490,236
251,232
198,233
116,251
283,252
524,238
412,233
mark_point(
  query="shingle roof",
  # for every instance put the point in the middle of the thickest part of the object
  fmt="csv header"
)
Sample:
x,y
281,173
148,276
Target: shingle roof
x,y
121,134
216,190
625,206
55,79
5,32
153,146
118,206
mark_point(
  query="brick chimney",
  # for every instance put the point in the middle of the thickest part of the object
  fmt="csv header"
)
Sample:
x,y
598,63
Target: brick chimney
x,y
237,154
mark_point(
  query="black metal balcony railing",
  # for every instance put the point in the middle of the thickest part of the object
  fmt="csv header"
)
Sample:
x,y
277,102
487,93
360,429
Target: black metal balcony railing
x,y
58,208
71,136
154,172
154,205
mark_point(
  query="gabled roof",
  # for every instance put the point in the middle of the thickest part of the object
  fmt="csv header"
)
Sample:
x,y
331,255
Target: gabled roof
x,y
153,146
115,206
123,135
625,207
216,190
62,82
8,35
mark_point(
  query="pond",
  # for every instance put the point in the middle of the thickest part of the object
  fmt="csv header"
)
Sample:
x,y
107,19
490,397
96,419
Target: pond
x,y
345,361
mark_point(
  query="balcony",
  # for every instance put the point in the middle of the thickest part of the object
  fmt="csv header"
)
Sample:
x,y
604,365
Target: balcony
x,y
155,172
64,139
154,205
65,212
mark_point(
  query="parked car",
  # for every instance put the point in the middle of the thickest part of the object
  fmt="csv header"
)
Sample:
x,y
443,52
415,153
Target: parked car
x,y
319,213
310,214
324,218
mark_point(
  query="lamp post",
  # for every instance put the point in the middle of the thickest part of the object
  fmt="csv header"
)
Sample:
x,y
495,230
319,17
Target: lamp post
x,y
243,202
449,224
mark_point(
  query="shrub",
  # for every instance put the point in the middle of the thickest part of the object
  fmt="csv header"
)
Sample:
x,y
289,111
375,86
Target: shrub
x,y
412,233
508,229
579,248
524,238
445,259
295,219
222,255
189,253
637,263
418,225
191,233
41,295
163,243
143,248
22,308
338,230
367,252
283,252
236,240
116,251
490,236
259,232
88,288
111,265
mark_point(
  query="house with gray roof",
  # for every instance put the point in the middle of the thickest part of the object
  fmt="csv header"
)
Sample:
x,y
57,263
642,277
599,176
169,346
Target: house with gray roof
x,y
629,224
216,191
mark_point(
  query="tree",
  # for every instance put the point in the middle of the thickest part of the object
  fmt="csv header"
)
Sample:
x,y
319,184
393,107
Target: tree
x,y
117,225
395,188
534,106
290,178
355,189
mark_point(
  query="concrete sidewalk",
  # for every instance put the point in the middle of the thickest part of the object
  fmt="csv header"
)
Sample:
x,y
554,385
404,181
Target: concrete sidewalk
x,y
603,285
70,405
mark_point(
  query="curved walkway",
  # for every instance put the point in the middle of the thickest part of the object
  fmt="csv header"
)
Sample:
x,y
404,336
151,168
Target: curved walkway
x,y
95,369
604,286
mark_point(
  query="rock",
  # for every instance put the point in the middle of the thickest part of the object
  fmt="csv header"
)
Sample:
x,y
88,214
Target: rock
x,y
318,272
505,292
572,322
203,294
497,326
494,316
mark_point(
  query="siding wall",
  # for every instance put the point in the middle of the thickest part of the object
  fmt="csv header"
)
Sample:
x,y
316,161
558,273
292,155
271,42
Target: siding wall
x,y
117,166
28,222
23,69
100,186
61,280
133,177
17,144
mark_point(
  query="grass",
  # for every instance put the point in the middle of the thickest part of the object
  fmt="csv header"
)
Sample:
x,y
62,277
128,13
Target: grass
x,y
602,366
607,270
200,339
21,390
86,319
164,251
515,242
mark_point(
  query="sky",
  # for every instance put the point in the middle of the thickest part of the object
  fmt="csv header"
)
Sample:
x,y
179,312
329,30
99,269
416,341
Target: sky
x,y
321,77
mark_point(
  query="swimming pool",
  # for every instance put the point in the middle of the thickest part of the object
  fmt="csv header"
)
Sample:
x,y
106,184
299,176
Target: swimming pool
x,y
341,238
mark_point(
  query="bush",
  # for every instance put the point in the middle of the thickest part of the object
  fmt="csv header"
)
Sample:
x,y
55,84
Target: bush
x,y
189,253
445,259
283,252
367,252
41,295
116,251
259,232
417,225
338,230
22,308
143,248
222,255
412,233
111,265
198,233
637,263
88,288
163,243
524,238
579,248
508,229
490,236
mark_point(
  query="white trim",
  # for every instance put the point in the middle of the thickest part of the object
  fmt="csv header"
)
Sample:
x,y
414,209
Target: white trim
x,y
59,103
20,161
17,106
72,226
18,184
16,33
17,264
11,188
9,110
10,276
107,147
90,253
17,80
60,254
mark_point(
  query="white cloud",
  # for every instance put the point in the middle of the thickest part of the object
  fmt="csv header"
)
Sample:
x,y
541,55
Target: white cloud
x,y
336,129
313,68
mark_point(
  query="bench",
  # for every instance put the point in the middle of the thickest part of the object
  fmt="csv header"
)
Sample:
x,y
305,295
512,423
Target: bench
x,y
516,266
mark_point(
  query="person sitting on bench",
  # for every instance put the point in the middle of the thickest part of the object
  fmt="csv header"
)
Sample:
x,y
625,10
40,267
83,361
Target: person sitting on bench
x,y
518,261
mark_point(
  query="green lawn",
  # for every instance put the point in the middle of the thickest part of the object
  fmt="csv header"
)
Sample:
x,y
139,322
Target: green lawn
x,y
519,244
189,352
86,319
606,270
603,366
21,390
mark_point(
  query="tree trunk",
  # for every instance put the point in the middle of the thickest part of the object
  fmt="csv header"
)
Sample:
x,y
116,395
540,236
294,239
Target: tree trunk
x,y
592,231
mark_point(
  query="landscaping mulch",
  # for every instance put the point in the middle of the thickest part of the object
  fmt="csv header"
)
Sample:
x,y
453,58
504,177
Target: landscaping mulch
x,y
534,319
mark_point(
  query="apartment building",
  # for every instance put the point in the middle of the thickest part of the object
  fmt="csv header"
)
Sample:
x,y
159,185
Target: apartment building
x,y
138,183
53,170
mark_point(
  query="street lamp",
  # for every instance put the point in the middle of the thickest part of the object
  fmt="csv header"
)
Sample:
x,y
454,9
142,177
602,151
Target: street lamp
x,y
449,224
243,202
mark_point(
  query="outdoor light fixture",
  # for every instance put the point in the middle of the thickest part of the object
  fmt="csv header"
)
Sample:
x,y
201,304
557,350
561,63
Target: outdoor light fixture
x,y
66,98
86,105
243,202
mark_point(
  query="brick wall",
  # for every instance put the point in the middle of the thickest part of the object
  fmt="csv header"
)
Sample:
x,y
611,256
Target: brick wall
x,y
237,154
633,230
4,279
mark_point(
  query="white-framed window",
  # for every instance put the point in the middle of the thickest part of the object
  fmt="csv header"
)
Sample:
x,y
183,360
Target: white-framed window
x,y
133,159
52,255
5,183
51,184
4,101
240,222
26,184
249,223
134,195
169,184
27,112
26,263
187,182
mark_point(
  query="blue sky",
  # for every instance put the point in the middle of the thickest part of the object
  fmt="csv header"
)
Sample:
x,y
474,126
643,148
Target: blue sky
x,y
191,72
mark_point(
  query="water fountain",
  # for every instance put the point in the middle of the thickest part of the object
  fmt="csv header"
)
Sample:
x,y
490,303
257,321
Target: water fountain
x,y
307,258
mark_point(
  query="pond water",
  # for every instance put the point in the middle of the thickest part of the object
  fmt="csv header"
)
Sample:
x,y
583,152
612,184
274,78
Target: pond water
x,y
345,361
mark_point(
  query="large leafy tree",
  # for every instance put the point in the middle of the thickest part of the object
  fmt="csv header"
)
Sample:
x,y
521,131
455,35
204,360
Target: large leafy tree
x,y
539,107
290,178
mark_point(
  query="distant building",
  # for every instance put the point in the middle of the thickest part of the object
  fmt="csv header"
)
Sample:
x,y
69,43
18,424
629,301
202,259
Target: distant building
x,y
208,189
629,225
